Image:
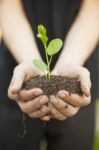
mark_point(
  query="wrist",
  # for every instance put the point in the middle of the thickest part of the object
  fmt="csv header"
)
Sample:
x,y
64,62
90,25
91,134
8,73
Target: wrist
x,y
68,60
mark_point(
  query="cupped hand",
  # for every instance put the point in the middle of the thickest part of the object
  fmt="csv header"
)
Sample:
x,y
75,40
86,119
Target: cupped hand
x,y
63,104
32,101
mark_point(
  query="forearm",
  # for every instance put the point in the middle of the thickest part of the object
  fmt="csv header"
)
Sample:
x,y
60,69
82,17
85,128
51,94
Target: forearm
x,y
83,35
17,33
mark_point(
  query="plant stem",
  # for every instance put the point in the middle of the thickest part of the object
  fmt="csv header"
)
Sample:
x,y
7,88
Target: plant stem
x,y
46,53
50,59
48,70
48,62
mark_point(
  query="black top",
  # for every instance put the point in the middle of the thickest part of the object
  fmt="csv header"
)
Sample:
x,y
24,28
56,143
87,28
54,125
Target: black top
x,y
57,16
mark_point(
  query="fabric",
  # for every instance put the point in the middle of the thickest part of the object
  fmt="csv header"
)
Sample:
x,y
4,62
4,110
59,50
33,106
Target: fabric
x,y
74,133
7,64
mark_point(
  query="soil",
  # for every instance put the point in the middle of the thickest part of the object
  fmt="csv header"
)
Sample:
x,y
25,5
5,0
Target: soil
x,y
52,86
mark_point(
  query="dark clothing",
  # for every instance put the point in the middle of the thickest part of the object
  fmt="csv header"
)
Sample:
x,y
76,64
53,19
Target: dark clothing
x,y
7,64
75,133
72,134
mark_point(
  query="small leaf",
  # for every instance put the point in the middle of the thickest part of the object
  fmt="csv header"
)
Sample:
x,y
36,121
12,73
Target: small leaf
x,y
43,38
41,29
54,47
40,65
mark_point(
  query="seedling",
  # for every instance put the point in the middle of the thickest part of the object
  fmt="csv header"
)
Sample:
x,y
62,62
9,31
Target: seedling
x,y
51,48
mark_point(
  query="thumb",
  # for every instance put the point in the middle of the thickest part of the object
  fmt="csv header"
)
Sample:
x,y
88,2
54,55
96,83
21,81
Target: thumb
x,y
17,81
54,72
85,83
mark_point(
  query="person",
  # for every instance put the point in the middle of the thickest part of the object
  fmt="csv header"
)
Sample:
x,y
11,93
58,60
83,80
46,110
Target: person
x,y
77,24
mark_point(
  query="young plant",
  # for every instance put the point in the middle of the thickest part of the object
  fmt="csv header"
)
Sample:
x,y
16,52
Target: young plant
x,y
51,49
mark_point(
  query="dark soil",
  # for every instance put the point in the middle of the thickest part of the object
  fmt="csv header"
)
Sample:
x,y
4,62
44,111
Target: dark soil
x,y
52,86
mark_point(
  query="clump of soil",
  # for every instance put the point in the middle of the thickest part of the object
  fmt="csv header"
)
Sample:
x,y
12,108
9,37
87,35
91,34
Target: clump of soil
x,y
52,86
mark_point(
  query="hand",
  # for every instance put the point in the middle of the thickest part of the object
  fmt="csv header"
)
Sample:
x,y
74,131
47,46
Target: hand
x,y
32,102
65,105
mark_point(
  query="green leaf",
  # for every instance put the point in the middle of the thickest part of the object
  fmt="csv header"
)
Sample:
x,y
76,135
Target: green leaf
x,y
42,34
40,65
54,47
43,38
41,29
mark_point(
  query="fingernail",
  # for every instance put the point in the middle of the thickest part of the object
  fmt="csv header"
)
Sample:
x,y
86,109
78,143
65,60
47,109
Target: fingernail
x,y
63,95
43,100
53,100
46,118
38,92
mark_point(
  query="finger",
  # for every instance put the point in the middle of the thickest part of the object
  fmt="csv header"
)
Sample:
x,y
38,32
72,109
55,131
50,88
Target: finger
x,y
45,118
33,105
13,96
63,107
44,110
17,81
85,81
74,99
36,114
56,114
29,94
